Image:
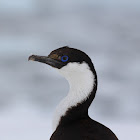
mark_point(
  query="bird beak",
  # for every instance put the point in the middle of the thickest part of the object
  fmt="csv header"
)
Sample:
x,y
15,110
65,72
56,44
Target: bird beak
x,y
47,60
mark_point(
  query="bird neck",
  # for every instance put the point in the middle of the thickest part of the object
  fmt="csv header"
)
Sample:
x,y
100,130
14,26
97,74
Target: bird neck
x,y
83,85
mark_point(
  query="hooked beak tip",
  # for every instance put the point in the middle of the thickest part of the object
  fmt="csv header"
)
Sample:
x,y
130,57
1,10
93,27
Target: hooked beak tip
x,y
32,57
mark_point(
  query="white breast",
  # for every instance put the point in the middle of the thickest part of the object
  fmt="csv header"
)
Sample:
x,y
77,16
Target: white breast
x,y
81,81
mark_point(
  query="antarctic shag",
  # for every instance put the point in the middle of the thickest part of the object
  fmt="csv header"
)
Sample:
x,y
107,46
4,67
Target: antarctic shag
x,y
71,120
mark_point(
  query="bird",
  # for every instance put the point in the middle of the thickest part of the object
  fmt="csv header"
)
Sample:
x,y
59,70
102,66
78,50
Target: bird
x,y
71,120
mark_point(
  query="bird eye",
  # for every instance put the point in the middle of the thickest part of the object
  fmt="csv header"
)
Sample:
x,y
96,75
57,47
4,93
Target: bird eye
x,y
64,58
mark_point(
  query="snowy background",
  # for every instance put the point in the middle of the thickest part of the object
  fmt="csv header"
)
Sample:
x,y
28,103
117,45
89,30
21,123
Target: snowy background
x,y
107,30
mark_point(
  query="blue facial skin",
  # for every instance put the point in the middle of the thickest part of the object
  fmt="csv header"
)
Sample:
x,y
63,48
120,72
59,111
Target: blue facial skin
x,y
64,58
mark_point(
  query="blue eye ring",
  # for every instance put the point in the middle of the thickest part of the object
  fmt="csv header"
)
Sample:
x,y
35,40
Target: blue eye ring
x,y
66,58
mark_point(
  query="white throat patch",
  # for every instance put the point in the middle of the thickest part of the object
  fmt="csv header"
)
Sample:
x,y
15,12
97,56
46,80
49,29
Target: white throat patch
x,y
81,81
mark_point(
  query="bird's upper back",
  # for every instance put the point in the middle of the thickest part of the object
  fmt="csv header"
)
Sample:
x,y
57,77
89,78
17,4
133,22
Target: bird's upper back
x,y
84,129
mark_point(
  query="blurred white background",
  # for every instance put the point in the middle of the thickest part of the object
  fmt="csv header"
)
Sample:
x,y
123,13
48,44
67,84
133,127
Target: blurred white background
x,y
108,31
